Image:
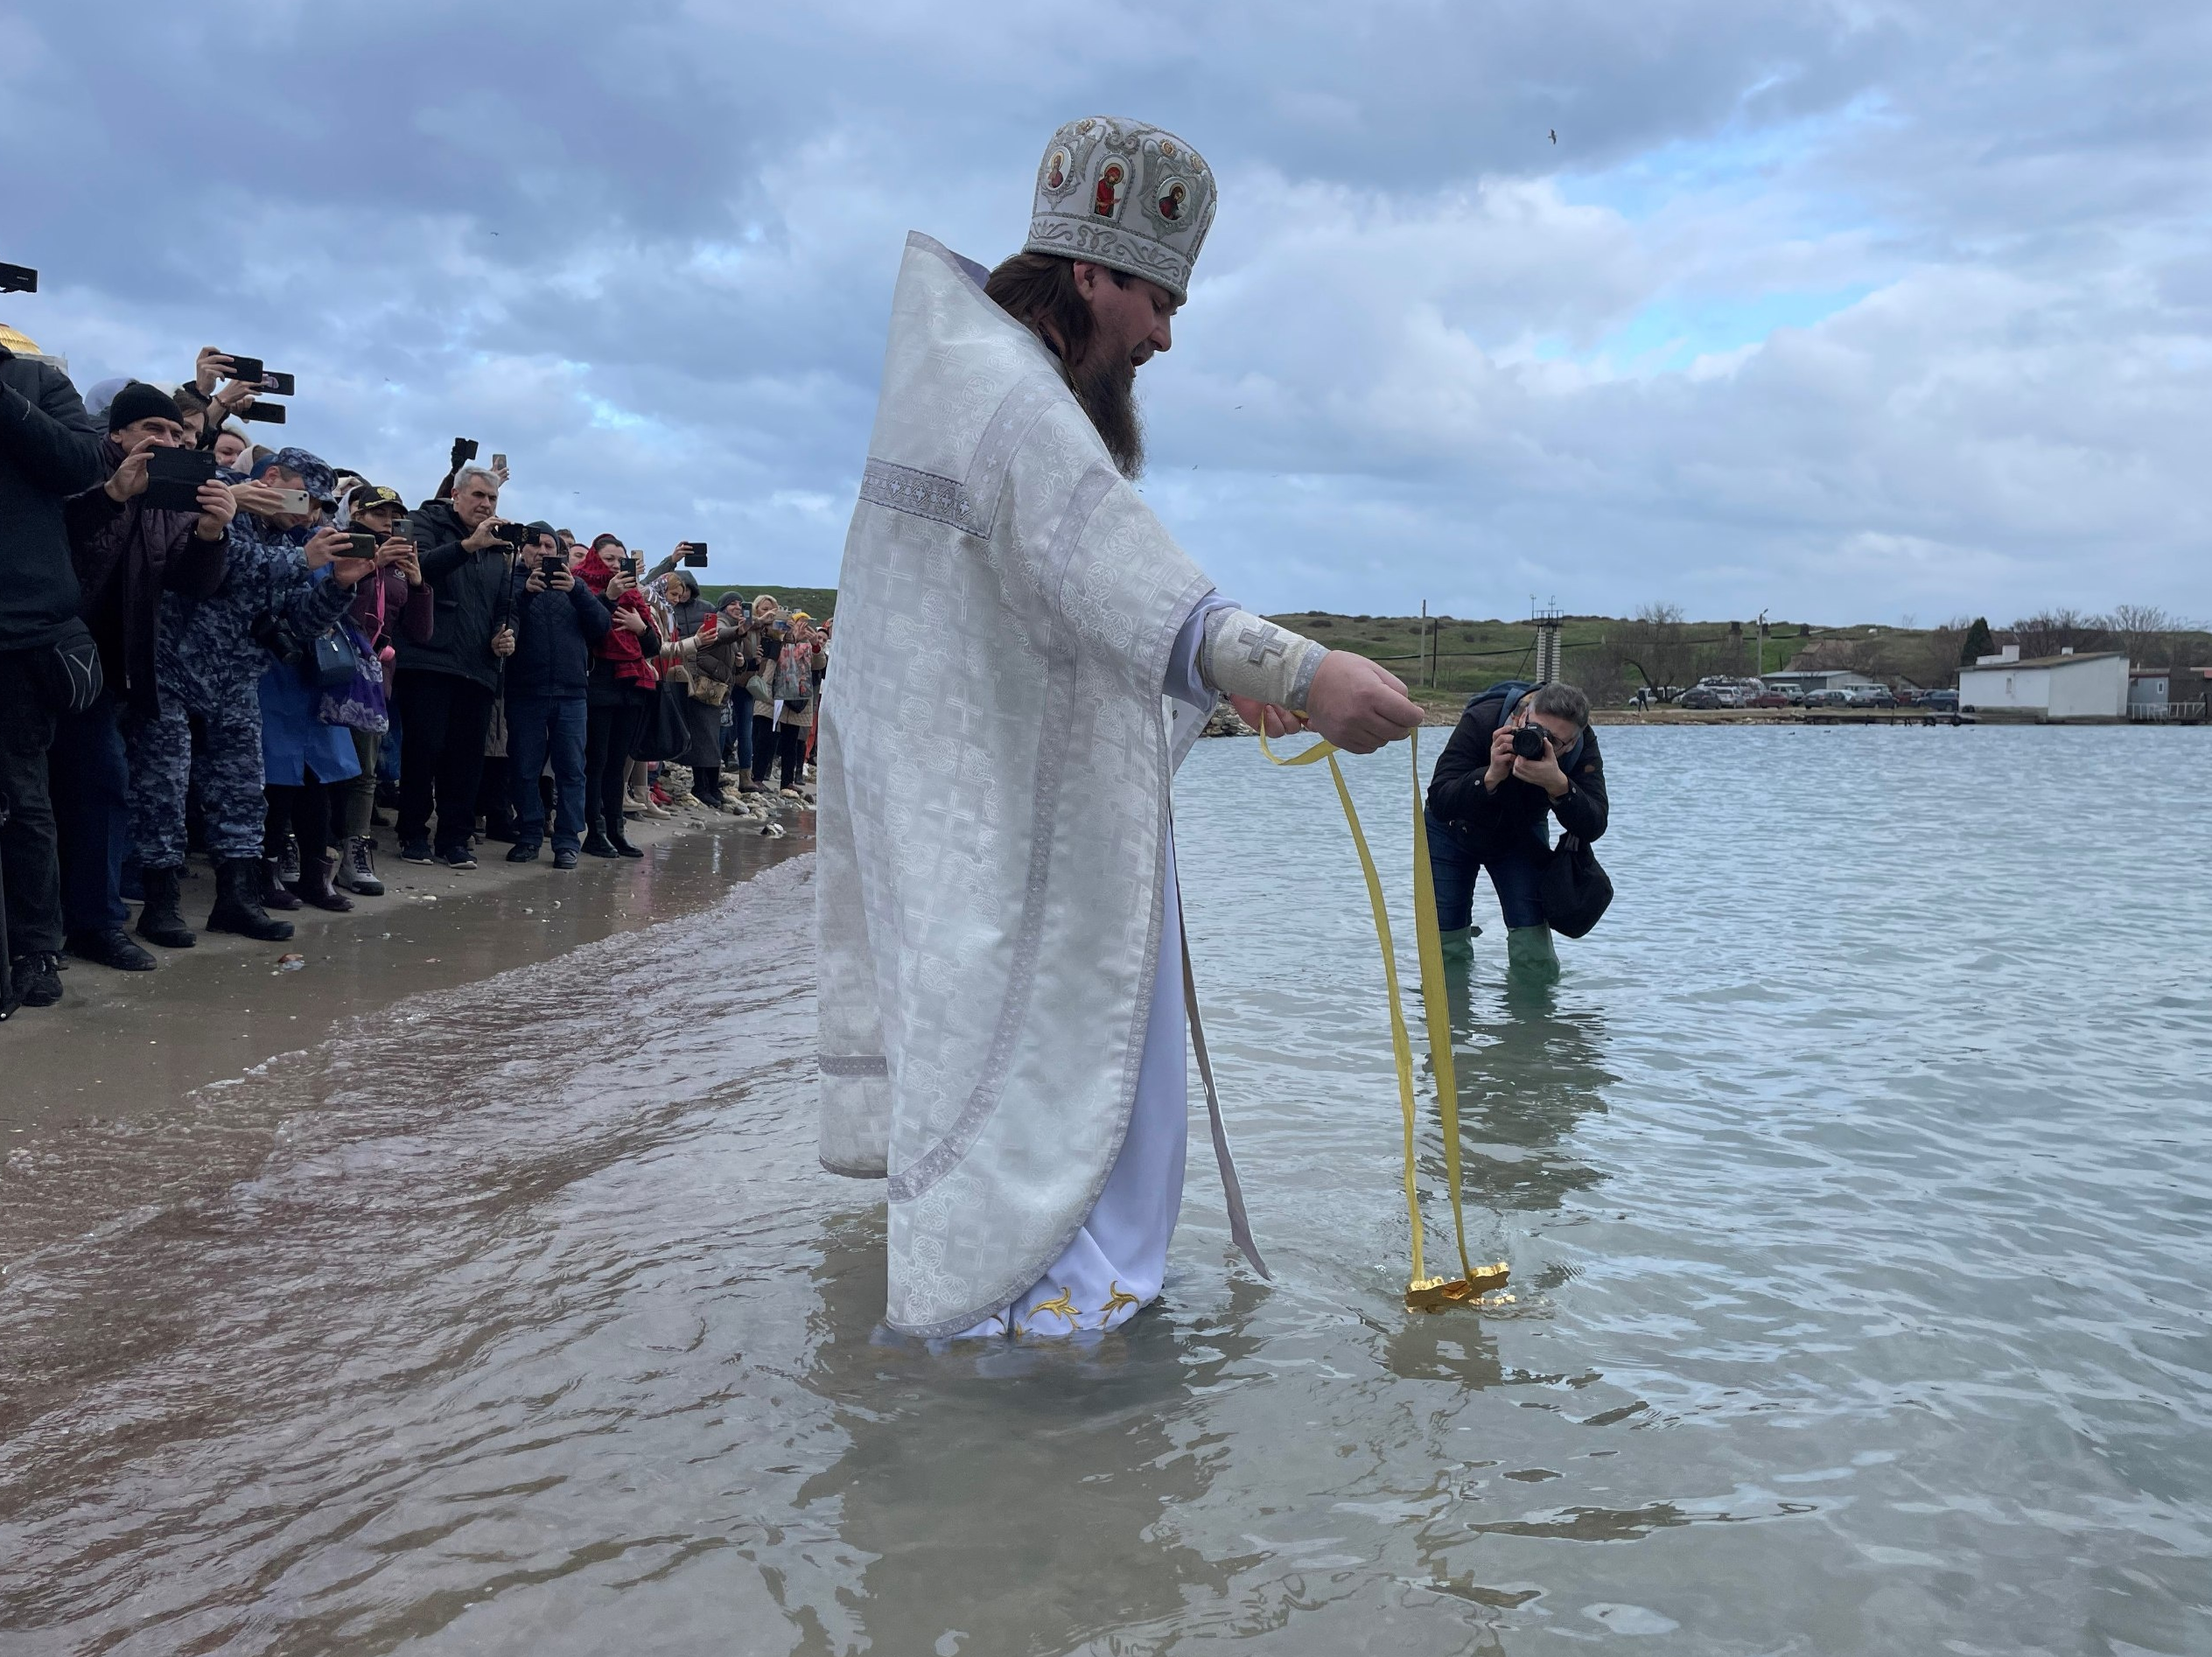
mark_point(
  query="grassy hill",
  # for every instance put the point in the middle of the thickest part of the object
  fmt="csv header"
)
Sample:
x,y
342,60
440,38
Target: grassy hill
x,y
1449,658
817,602
1457,657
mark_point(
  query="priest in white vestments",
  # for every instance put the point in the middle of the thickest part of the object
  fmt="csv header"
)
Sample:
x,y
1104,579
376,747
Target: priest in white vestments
x,y
1025,656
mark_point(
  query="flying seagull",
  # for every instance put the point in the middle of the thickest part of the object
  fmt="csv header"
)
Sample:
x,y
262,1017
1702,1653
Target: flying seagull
x,y
1555,135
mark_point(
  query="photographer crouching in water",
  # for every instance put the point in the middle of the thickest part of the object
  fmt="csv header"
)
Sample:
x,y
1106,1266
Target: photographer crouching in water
x,y
1521,753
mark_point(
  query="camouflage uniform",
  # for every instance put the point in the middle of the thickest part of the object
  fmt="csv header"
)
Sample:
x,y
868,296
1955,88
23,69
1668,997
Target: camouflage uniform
x,y
207,668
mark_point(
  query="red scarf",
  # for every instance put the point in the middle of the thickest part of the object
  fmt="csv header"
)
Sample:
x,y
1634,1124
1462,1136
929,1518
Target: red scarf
x,y
621,646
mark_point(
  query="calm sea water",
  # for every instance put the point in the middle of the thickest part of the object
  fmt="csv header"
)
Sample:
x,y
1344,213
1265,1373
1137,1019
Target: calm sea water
x,y
1856,1181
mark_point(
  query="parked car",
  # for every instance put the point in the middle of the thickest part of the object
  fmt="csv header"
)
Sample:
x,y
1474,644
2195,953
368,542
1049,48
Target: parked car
x,y
1827,698
1769,699
1940,701
1874,696
1700,696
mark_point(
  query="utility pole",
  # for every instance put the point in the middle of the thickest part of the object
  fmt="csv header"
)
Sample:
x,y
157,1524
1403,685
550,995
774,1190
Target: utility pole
x,y
1424,656
1761,673
1547,620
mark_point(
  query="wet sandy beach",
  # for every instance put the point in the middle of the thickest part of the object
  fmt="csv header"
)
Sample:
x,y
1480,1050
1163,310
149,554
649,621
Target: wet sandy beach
x,y
124,1053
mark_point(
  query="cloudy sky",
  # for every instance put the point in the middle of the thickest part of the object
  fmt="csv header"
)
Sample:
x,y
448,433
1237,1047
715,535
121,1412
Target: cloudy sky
x,y
1853,312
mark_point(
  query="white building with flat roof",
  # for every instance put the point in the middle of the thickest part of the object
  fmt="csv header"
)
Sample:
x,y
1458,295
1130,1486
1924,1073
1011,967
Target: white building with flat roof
x,y
2089,685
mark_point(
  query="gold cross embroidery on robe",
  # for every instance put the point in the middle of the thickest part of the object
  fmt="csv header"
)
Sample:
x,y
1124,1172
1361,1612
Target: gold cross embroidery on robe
x,y
1061,1304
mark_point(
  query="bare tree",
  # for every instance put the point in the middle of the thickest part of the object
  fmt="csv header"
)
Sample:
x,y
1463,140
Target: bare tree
x,y
2146,631
1652,649
2052,633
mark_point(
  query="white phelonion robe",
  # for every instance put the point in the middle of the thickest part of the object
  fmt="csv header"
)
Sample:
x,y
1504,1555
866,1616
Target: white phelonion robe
x,y
994,863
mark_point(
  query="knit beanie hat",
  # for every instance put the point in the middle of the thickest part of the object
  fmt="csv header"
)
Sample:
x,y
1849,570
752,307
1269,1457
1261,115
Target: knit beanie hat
x,y
138,401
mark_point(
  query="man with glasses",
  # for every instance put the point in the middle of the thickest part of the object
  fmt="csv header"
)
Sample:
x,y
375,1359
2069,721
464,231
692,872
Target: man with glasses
x,y
1521,753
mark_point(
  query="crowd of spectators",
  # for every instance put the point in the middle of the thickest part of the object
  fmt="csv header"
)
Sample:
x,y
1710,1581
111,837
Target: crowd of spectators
x,y
211,646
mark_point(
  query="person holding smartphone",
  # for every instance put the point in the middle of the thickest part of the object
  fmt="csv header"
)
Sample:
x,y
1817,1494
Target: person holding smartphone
x,y
558,621
287,579
128,550
394,603
618,693
447,684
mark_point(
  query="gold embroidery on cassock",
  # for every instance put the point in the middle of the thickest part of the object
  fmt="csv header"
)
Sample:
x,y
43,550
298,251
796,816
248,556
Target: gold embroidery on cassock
x,y
1114,1302
1062,1304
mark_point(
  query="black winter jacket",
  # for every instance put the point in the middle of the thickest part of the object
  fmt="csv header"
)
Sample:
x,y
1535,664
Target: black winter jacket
x,y
554,633
49,451
471,592
127,555
1516,812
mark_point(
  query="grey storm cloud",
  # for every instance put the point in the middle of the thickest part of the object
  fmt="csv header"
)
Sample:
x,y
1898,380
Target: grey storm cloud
x,y
1842,310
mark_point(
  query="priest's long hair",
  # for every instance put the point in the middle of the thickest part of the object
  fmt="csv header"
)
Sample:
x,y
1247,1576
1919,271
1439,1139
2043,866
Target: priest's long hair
x,y
1039,291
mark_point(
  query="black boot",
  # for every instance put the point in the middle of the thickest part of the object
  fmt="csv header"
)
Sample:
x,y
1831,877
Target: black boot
x,y
596,844
238,883
621,841
110,947
162,921
273,895
315,886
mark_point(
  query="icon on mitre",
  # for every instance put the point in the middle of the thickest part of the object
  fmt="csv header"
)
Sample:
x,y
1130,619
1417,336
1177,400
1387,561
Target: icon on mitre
x,y
1106,194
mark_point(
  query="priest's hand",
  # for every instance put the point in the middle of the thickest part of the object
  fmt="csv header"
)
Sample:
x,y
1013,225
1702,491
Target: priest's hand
x,y
1265,716
1358,705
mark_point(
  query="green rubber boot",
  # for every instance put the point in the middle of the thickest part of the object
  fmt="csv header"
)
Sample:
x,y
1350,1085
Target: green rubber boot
x,y
1459,945
1530,957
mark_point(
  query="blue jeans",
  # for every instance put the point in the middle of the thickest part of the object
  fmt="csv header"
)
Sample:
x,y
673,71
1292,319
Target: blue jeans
x,y
741,728
1515,871
536,725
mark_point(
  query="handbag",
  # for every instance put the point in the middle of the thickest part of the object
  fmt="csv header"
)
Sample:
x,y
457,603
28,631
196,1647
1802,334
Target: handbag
x,y
1574,890
359,703
763,692
668,733
329,662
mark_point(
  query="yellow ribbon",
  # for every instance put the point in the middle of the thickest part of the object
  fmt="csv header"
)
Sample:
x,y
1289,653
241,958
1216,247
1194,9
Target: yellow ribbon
x,y
1422,1293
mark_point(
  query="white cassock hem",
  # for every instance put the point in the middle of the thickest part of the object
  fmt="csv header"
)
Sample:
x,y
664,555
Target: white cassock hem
x,y
1117,1260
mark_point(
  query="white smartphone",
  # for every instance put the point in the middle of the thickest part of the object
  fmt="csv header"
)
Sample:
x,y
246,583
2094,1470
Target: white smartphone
x,y
293,500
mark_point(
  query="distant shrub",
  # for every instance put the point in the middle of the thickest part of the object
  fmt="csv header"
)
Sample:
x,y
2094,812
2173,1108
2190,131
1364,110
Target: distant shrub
x,y
1322,621
1364,618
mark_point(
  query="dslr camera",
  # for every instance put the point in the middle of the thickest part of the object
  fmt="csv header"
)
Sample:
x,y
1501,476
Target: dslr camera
x,y
1529,743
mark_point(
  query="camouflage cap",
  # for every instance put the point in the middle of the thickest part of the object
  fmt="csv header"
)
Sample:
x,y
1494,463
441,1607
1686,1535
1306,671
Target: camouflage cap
x,y
315,474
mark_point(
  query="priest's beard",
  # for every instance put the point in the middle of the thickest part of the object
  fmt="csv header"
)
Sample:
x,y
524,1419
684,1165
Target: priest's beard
x,y
1107,390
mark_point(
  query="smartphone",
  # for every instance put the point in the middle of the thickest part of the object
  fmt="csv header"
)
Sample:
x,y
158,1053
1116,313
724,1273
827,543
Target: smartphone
x,y
269,413
294,500
516,535
634,566
246,370
499,462
695,555
277,385
463,449
18,279
173,476
364,545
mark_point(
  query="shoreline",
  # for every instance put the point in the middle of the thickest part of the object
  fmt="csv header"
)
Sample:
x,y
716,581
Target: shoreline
x,y
137,1045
